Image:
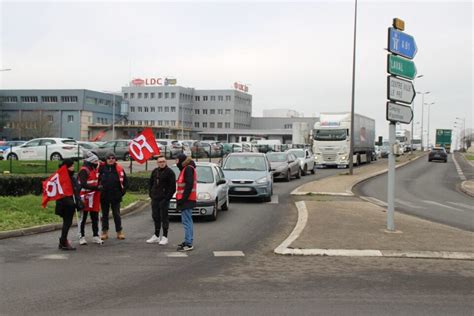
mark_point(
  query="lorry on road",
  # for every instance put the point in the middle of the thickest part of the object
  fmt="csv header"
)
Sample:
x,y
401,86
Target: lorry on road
x,y
443,139
331,139
404,139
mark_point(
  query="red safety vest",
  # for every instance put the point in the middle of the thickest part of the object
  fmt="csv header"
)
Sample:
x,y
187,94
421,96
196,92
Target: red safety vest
x,y
180,185
120,174
91,198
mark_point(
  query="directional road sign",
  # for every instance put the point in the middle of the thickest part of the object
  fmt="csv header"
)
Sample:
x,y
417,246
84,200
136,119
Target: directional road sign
x,y
401,43
400,90
400,66
399,113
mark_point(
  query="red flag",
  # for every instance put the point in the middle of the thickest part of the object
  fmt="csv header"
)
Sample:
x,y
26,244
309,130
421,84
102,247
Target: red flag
x,y
57,186
144,146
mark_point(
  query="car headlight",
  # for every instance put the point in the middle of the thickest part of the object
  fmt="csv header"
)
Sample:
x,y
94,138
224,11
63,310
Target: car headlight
x,y
343,157
262,180
204,196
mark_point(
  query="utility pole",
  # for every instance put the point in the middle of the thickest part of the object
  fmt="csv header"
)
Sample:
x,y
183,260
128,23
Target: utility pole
x,y
351,150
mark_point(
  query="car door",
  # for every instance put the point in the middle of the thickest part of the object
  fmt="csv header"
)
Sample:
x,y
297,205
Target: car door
x,y
222,189
309,160
294,164
29,151
45,153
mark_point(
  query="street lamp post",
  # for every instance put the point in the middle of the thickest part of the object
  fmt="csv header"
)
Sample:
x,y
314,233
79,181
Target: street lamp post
x,y
351,147
428,132
463,137
422,115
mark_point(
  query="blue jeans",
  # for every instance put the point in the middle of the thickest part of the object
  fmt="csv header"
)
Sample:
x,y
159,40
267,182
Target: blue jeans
x,y
187,220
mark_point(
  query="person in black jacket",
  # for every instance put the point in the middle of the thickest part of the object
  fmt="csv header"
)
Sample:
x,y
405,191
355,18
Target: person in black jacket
x,y
66,207
186,196
162,186
114,184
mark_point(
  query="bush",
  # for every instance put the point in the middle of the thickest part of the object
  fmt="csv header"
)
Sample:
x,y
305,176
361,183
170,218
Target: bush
x,y
18,185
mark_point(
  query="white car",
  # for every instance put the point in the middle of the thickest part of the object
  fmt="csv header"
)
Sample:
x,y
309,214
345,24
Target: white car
x,y
212,191
45,148
305,158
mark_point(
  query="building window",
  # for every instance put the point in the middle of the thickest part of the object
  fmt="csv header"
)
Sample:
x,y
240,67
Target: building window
x,y
204,111
70,118
140,109
152,95
212,112
152,109
288,126
227,111
145,95
52,99
212,125
152,123
173,123
146,122
197,98
173,109
132,95
204,98
213,98
167,123
167,108
139,96
196,124
145,109
219,125
160,95
10,99
139,122
167,95
160,109
173,95
29,99
160,122
228,98
227,124
220,111
220,98
125,95
204,124
196,111
132,109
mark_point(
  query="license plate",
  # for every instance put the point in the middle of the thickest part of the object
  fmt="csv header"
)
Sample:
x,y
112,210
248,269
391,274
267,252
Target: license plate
x,y
437,156
243,189
172,205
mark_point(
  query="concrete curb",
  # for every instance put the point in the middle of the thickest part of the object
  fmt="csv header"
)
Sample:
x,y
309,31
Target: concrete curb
x,y
130,209
284,247
464,188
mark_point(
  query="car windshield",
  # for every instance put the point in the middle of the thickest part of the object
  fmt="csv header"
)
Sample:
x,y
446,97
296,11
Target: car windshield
x,y
204,174
297,153
241,162
330,134
277,157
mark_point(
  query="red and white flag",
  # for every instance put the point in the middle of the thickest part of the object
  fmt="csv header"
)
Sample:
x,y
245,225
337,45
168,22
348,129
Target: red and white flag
x,y
144,146
57,186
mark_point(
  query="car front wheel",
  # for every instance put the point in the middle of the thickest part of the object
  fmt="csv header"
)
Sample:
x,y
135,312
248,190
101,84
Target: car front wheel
x,y
12,157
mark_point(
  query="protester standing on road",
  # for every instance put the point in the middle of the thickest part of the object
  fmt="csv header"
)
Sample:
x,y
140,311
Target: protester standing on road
x,y
66,206
162,186
114,183
90,196
186,198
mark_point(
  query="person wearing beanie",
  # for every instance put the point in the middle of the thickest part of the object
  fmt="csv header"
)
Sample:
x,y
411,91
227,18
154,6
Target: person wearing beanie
x,y
66,206
90,196
161,187
186,196
114,183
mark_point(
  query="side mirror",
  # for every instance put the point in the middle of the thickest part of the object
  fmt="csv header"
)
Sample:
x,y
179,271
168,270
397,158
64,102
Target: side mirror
x,y
221,181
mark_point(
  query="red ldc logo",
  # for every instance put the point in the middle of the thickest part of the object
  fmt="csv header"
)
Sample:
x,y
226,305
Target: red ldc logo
x,y
136,146
54,186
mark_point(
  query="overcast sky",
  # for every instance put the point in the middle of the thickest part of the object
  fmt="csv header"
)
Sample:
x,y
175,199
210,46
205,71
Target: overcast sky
x,y
292,55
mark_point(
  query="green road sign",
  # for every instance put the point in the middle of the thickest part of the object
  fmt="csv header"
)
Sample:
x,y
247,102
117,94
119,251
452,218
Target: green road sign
x,y
400,66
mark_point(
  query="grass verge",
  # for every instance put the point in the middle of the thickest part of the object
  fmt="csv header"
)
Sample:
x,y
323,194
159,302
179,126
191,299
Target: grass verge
x,y
31,166
26,211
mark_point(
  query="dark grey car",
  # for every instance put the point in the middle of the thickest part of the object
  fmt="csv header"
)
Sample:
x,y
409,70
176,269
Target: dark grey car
x,y
284,165
119,147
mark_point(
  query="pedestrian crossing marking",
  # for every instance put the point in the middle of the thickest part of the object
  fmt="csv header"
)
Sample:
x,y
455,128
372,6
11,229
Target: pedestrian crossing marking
x,y
54,257
274,199
228,254
442,205
176,254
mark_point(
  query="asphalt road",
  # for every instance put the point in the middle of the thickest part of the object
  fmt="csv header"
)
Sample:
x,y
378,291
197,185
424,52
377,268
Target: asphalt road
x,y
428,190
132,277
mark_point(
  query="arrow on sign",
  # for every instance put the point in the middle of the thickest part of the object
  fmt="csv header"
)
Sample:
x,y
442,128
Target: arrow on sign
x,y
401,67
399,113
401,43
400,90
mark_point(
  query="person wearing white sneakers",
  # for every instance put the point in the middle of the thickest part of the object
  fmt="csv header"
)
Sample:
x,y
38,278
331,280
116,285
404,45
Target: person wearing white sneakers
x,y
161,188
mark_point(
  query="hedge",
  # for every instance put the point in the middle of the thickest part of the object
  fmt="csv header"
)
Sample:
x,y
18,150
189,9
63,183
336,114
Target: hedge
x,y
17,185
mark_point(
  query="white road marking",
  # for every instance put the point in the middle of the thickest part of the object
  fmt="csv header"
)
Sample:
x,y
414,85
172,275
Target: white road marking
x,y
300,224
54,257
274,199
406,203
458,169
442,205
469,207
374,201
228,254
176,254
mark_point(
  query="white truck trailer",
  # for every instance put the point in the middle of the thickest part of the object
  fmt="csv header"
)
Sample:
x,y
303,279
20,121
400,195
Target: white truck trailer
x,y
331,139
404,138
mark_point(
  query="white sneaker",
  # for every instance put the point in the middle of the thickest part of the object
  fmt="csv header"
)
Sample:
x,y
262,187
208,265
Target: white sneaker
x,y
163,241
97,240
82,241
153,240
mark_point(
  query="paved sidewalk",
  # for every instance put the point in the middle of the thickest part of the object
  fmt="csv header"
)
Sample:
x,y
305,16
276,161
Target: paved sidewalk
x,y
333,222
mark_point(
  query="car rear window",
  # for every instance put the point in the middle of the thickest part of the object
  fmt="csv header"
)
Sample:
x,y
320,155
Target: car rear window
x,y
204,174
438,150
243,162
69,142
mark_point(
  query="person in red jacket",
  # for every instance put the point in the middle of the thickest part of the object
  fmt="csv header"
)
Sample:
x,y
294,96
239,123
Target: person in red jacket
x,y
90,196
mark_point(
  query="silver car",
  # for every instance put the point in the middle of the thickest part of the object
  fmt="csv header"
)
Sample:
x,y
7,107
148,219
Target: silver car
x,y
284,165
305,159
212,191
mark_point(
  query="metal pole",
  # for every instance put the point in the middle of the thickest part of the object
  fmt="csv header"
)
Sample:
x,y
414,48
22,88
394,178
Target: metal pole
x,y
182,122
422,115
351,151
428,132
113,116
391,179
